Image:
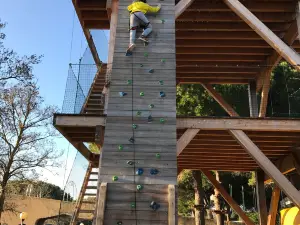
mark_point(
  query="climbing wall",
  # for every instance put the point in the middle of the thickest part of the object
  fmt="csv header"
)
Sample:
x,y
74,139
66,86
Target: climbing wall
x,y
138,161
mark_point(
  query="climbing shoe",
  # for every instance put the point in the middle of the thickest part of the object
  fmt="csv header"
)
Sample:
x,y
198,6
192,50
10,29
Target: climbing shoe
x,y
144,39
130,49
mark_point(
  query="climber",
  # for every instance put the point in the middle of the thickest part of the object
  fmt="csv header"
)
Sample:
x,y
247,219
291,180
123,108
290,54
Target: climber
x,y
137,11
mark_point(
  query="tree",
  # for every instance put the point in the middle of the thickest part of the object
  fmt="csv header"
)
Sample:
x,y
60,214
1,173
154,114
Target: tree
x,y
26,133
13,66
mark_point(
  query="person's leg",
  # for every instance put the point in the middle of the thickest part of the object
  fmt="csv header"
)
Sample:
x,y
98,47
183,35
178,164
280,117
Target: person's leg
x,y
147,31
133,26
143,20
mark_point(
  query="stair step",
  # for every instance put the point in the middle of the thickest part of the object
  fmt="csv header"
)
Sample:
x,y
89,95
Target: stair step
x,y
86,211
91,180
91,187
89,202
94,173
83,219
93,109
90,194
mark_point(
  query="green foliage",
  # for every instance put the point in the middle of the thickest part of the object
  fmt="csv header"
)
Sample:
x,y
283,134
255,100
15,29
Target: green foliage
x,y
254,216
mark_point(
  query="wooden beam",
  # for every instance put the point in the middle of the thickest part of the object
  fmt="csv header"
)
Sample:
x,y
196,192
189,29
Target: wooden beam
x,y
261,197
185,139
273,206
266,165
101,204
253,107
172,214
239,124
227,197
273,40
220,100
87,35
181,6
61,120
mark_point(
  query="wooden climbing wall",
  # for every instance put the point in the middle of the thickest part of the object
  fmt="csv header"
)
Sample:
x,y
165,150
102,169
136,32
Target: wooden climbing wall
x,y
145,116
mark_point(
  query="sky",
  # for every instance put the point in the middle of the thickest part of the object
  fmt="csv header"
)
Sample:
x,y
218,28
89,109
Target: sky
x,y
51,29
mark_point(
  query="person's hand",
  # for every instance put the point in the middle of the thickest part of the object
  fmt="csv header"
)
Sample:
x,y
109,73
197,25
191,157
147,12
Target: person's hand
x,y
159,5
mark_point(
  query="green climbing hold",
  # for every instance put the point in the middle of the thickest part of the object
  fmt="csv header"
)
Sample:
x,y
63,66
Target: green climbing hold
x,y
146,54
162,21
142,94
115,178
161,82
119,223
141,65
163,60
134,126
139,187
157,155
130,163
151,106
162,120
138,113
132,205
129,81
121,147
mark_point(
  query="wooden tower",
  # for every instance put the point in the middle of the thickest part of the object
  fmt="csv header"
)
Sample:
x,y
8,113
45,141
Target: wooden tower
x,y
195,42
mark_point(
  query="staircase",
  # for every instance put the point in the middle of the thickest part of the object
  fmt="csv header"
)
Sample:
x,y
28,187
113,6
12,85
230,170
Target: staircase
x,y
95,100
86,203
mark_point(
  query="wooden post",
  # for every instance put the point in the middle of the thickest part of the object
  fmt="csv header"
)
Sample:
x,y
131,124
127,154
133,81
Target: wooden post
x,y
209,88
101,204
266,165
252,99
172,205
261,197
261,29
185,139
274,206
199,198
217,201
227,197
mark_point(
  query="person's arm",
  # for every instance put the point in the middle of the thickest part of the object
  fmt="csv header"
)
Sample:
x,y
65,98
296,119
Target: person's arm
x,y
154,9
129,8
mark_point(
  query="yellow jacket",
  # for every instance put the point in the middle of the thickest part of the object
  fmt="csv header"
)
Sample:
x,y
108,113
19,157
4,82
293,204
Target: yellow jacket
x,y
142,7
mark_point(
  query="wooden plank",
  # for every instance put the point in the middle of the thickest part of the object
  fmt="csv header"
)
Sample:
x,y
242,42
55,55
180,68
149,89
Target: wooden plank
x,y
172,205
138,196
273,40
131,188
239,124
125,171
227,197
101,204
261,197
159,164
180,7
78,121
274,206
185,139
140,206
140,215
220,100
267,166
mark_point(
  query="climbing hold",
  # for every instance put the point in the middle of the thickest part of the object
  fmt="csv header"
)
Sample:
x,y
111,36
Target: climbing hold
x,y
151,71
150,119
162,21
131,140
161,82
146,54
132,205
122,94
142,94
129,81
139,187
163,60
151,106
162,120
139,171
119,223
155,206
157,155
138,113
134,126
121,147
162,94
115,178
141,65
130,163
153,171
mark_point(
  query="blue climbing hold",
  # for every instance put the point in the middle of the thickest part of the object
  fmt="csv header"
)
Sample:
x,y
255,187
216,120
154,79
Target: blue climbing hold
x,y
151,71
139,171
150,119
162,94
153,171
155,206
163,21
122,94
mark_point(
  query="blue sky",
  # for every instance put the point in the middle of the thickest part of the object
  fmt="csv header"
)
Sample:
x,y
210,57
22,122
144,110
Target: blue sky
x,y
45,28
